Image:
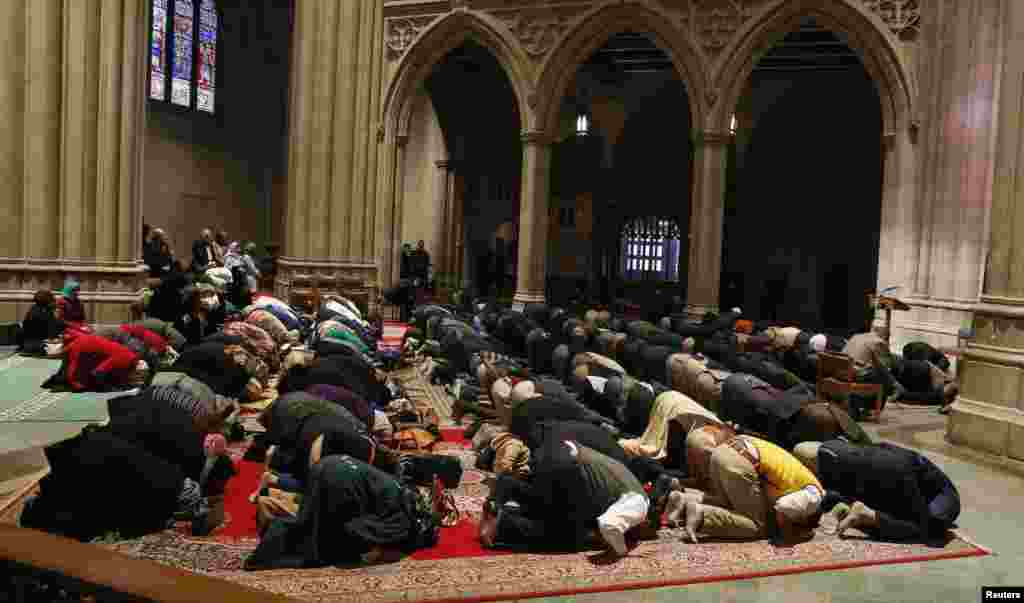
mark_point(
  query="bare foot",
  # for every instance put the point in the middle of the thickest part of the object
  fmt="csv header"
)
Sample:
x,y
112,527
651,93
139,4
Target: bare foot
x,y
264,482
858,517
694,518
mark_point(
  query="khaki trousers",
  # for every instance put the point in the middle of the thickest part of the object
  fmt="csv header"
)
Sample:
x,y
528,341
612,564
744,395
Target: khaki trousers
x,y
688,375
741,510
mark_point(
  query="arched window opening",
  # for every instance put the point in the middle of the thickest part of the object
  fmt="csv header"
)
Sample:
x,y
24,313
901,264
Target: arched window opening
x,y
650,249
190,81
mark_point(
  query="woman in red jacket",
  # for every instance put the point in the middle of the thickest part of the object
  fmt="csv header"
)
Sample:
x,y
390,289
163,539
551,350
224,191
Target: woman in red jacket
x,y
95,363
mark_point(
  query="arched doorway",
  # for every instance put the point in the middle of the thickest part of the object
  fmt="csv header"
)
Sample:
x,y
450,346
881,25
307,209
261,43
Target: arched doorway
x,y
622,153
461,162
804,197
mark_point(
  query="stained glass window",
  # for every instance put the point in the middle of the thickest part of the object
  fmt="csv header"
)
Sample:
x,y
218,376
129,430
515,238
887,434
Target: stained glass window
x,y
183,43
651,249
158,52
181,66
207,56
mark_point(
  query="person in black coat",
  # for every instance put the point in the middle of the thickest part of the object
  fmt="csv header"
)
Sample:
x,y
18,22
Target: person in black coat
x,y
203,257
40,325
896,493
157,254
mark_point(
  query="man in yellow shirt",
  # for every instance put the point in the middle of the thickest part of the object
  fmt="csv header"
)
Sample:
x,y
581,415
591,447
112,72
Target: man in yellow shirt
x,y
748,479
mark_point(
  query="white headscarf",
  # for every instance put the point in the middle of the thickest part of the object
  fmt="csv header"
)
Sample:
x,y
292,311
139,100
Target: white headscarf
x,y
818,342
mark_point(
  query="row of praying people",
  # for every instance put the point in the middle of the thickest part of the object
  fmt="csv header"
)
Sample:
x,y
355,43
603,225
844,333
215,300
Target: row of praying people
x,y
575,414
167,440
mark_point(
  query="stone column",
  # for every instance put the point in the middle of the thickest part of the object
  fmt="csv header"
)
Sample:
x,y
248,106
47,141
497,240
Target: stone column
x,y
710,159
989,414
71,80
390,215
962,50
444,168
332,209
531,272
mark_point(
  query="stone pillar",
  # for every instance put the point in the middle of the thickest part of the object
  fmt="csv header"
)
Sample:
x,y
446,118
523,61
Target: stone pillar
x,y
531,271
444,167
710,159
332,209
989,413
962,50
390,214
71,82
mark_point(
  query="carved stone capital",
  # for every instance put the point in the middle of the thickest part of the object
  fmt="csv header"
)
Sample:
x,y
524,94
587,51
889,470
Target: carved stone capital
x,y
299,276
711,138
536,137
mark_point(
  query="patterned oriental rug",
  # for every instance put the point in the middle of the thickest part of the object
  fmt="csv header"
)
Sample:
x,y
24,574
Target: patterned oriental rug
x,y
459,569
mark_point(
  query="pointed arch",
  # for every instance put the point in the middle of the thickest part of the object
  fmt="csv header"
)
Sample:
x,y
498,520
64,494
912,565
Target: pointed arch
x,y
862,30
594,31
436,41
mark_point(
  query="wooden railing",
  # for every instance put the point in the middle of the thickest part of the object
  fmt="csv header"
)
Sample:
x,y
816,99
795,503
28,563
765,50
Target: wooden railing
x,y
31,560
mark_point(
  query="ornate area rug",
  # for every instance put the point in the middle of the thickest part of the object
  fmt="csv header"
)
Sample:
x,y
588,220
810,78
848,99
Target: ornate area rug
x,y
459,569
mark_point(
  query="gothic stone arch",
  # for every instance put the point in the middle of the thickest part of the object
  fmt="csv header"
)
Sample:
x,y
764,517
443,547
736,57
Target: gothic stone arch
x,y
862,30
437,40
594,30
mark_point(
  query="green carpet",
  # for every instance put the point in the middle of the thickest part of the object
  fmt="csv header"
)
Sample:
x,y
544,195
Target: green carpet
x,y
23,400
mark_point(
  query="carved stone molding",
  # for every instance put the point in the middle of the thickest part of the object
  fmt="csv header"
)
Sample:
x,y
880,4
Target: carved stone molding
x,y
107,290
536,137
299,276
713,23
710,138
540,30
902,16
401,32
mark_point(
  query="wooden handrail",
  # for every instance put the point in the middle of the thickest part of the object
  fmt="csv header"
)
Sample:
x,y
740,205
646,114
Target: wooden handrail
x,y
136,577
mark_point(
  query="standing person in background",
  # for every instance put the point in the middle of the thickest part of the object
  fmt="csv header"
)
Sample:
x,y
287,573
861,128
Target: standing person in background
x,y
421,263
219,246
202,252
157,254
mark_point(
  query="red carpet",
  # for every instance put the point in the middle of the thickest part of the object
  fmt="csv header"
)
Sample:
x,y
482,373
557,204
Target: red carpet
x,y
392,336
240,525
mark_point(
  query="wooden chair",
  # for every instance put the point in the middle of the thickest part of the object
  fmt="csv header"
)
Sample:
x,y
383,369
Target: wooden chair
x,y
837,379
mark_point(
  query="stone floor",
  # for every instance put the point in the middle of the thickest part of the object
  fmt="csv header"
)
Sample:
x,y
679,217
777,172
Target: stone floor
x,y
988,489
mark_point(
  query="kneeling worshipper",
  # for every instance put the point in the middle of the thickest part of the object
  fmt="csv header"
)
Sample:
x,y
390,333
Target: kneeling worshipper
x,y
693,376
574,490
205,315
349,512
101,482
215,365
873,363
164,329
786,417
94,363
635,398
711,324
754,489
70,306
533,402
303,429
925,382
207,410
896,494
349,372
41,327
674,415
653,334
590,364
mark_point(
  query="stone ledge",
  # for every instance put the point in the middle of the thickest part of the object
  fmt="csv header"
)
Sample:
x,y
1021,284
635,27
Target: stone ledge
x,y
987,428
936,440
